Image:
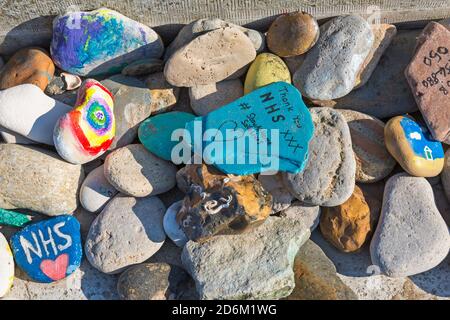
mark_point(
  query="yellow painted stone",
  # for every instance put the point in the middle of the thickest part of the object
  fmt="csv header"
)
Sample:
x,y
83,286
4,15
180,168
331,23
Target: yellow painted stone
x,y
413,147
266,69
6,266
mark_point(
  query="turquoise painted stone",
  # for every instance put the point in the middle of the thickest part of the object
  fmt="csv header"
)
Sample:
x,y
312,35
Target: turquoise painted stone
x,y
49,250
155,133
272,128
101,42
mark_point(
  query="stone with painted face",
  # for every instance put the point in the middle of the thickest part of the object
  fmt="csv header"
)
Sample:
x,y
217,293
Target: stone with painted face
x,y
101,42
87,131
49,250
217,203
271,128
6,266
413,147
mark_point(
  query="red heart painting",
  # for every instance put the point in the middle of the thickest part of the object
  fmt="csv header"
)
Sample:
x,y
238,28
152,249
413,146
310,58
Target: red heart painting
x,y
55,269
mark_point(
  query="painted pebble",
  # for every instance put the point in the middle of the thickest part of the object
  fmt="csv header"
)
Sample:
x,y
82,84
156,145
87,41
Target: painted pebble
x,y
274,116
266,69
96,191
137,172
427,75
49,250
210,58
87,131
413,147
29,65
156,132
26,110
331,66
329,176
172,226
6,266
373,161
101,42
292,34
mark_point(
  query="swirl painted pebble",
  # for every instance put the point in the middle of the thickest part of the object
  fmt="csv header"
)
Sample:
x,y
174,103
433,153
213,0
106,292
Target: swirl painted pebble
x,y
101,42
6,266
49,250
87,131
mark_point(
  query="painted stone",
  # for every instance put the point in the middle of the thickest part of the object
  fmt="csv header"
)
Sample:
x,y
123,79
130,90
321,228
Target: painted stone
x,y
96,191
273,119
135,171
413,147
292,34
155,132
210,97
49,250
101,42
373,161
266,69
132,105
12,218
172,226
210,58
87,131
331,66
26,110
217,203
6,266
428,75
29,65
143,67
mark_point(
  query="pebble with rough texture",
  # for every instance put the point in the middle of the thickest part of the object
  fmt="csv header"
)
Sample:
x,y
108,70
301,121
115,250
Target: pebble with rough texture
x,y
281,196
445,175
309,215
6,266
164,95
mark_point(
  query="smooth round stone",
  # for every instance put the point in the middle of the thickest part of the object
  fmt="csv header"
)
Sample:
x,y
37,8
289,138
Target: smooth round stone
x,y
281,196
96,191
347,226
172,227
151,281
71,81
445,175
329,176
29,65
413,147
266,69
86,132
127,231
331,66
143,67
6,266
210,58
155,133
164,95
101,42
135,171
49,250
209,97
202,26
132,105
411,236
37,179
373,161
34,123
292,34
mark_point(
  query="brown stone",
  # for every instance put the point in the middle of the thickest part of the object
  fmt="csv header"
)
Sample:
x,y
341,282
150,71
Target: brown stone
x,y
29,65
428,75
217,203
164,96
292,34
346,226
373,161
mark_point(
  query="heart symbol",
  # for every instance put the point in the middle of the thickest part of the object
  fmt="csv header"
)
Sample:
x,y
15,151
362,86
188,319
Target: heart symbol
x,y
55,270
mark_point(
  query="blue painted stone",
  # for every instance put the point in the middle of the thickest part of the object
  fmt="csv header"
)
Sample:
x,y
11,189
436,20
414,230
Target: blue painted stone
x,y
49,250
155,132
101,42
279,109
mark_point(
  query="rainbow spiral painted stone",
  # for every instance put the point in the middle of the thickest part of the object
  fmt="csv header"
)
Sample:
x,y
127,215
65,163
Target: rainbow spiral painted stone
x,y
88,130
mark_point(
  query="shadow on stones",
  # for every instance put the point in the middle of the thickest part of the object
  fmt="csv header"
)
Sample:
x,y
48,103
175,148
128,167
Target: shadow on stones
x,y
96,285
435,281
